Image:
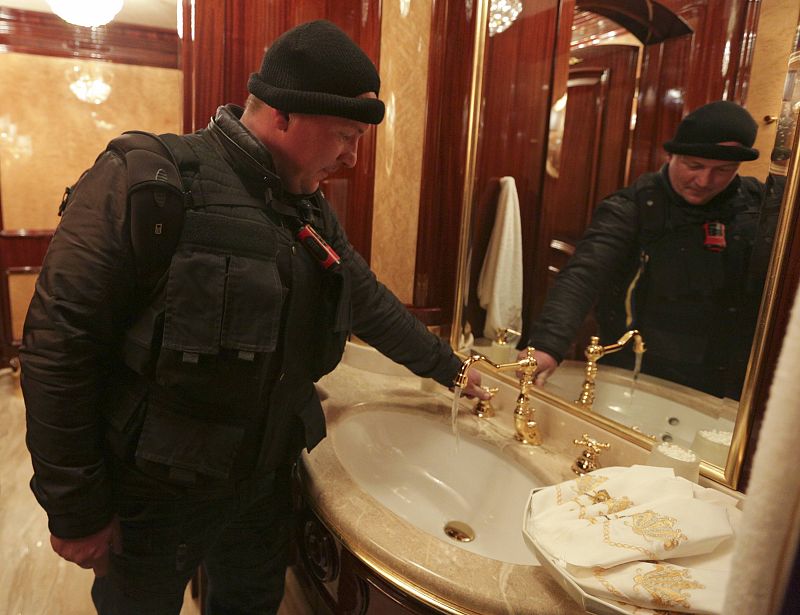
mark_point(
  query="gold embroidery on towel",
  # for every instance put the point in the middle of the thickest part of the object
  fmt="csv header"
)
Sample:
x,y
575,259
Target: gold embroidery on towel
x,y
621,545
598,574
616,505
668,586
583,485
655,527
587,483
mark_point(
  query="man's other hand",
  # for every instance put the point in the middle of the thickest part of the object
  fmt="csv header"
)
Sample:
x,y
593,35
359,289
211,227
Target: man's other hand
x,y
90,551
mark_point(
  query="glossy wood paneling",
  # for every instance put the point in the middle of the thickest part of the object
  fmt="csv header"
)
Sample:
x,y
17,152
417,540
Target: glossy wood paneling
x,y
517,78
620,62
443,162
46,34
592,157
229,43
682,74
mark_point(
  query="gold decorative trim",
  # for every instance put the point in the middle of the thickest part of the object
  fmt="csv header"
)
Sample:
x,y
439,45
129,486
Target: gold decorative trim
x,y
766,316
407,586
471,158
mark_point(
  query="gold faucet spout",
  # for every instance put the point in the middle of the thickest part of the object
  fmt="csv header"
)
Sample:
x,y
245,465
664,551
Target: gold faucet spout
x,y
526,429
594,352
638,343
462,378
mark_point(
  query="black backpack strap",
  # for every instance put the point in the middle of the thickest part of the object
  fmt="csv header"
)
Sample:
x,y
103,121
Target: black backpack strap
x,y
157,199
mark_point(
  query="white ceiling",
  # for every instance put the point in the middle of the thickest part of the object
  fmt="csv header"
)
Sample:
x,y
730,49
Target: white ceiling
x,y
157,13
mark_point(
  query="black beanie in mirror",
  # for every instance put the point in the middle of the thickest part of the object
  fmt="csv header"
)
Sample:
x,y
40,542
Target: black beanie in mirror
x,y
316,68
702,131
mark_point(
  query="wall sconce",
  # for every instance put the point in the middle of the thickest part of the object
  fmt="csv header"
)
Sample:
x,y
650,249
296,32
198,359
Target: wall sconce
x,y
503,13
87,13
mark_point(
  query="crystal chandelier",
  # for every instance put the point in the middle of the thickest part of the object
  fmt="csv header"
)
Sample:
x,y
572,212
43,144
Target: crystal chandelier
x,y
502,14
89,84
88,13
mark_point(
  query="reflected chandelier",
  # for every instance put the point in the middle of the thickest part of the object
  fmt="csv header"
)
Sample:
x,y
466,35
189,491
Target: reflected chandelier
x,y
87,13
502,13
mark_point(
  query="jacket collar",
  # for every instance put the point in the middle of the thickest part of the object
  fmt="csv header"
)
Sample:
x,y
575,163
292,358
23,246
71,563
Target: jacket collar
x,y
253,162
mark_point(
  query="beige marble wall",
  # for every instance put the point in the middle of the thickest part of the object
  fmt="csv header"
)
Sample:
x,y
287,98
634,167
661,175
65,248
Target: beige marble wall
x,y
776,30
405,31
48,136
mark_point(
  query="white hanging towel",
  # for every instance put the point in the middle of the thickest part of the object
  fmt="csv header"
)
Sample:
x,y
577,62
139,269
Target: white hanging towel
x,y
500,281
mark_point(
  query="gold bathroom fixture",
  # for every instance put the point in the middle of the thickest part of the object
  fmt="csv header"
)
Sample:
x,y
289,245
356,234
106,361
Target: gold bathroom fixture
x,y
483,408
525,428
502,335
587,460
594,352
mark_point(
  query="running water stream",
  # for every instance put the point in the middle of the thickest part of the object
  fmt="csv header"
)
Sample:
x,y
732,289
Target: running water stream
x,y
637,368
454,411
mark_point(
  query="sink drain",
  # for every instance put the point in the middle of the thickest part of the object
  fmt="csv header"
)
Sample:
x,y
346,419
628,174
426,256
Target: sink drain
x,y
460,531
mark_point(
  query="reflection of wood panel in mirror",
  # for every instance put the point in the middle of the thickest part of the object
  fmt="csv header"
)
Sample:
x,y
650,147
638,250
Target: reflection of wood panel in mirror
x,y
591,157
683,73
517,70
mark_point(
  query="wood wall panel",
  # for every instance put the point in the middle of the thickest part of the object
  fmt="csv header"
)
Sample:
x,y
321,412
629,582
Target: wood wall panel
x,y
682,74
46,34
442,189
512,140
520,72
231,37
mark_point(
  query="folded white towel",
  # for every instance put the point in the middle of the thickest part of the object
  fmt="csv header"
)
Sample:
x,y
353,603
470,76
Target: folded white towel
x,y
639,536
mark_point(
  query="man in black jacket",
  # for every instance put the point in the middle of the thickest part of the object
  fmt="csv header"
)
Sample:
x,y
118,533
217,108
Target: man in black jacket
x,y
162,430
670,255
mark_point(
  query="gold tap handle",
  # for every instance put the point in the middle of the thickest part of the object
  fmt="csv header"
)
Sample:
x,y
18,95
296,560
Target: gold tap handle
x,y
595,445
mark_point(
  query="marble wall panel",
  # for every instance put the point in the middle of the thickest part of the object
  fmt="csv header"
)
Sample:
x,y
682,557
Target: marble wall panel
x,y
777,25
405,32
48,136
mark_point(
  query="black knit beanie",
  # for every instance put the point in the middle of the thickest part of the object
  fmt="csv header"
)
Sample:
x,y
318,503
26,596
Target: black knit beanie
x,y
316,68
701,132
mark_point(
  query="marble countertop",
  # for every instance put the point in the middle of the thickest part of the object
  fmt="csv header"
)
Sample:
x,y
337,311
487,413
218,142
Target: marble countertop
x,y
445,575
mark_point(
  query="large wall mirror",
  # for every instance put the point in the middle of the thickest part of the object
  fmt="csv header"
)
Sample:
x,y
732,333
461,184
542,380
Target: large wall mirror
x,y
551,139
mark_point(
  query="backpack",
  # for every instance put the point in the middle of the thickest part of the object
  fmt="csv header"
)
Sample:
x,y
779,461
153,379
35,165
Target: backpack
x,y
157,197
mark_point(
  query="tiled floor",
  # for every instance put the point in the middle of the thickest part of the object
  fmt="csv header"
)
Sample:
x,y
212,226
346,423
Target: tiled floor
x,y
33,580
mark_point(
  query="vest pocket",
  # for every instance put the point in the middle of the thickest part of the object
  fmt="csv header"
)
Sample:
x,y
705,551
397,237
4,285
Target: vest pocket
x,y
221,325
185,445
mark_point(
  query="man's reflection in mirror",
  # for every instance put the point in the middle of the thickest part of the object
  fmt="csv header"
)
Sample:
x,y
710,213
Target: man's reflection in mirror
x,y
679,255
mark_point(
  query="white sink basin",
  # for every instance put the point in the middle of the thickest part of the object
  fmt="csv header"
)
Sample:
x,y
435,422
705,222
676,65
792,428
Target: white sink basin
x,y
412,464
667,411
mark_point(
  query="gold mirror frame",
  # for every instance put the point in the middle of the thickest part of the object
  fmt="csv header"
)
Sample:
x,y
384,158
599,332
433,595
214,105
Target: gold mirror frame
x,y
730,474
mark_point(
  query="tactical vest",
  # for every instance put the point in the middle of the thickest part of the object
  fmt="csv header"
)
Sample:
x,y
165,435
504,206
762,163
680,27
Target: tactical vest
x,y
689,302
243,320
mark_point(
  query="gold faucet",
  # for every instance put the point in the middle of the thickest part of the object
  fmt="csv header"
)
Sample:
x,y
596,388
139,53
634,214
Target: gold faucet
x,y
594,352
525,428
483,407
502,335
587,460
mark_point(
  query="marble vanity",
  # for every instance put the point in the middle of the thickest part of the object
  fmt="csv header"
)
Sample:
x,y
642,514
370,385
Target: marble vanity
x,y
396,561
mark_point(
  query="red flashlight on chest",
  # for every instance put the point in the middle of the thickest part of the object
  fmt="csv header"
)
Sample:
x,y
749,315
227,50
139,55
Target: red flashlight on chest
x,y
318,248
714,236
